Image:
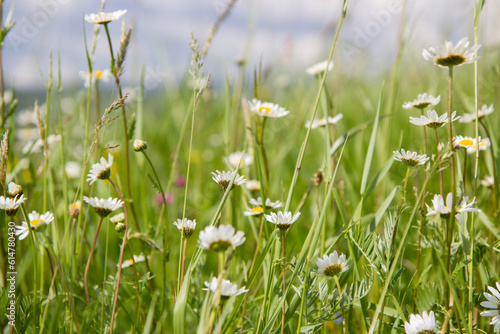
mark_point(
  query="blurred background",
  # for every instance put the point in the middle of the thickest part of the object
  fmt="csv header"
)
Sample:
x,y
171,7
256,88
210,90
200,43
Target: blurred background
x,y
280,34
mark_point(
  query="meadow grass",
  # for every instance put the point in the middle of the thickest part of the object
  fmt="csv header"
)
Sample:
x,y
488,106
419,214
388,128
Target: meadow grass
x,y
397,256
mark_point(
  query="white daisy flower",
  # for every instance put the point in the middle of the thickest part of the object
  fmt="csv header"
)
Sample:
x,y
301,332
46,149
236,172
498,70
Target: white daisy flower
x,y
73,169
102,18
483,145
135,259
227,289
224,178
323,122
433,120
320,68
423,101
493,304
253,185
103,207
410,159
97,75
258,209
186,226
239,159
220,238
118,218
421,324
448,55
36,146
484,111
14,189
100,170
444,210
464,142
38,223
267,109
282,220
331,265
10,205
488,181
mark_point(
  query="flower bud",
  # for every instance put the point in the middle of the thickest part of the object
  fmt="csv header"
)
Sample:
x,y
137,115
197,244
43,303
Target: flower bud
x,y
140,145
14,189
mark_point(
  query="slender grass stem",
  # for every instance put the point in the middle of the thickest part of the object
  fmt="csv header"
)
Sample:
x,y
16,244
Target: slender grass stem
x,y
283,309
441,181
87,267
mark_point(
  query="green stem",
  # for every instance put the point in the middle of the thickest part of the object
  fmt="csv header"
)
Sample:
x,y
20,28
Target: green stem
x,y
87,267
283,309
441,186
33,248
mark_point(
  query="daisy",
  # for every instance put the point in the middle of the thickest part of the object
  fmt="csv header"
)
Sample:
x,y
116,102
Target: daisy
x,y
267,109
140,145
118,218
100,170
464,142
331,265
239,159
135,259
73,169
220,238
227,289
103,18
186,226
282,220
483,145
10,205
320,68
423,101
258,209
410,159
484,111
421,324
38,223
36,146
95,76
253,185
103,207
488,181
14,189
74,209
444,210
322,122
448,55
493,304
224,178
433,120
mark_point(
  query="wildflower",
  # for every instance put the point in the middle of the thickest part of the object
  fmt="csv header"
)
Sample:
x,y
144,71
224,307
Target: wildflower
x,y
331,265
421,324
423,101
14,189
267,109
258,209
239,159
323,122
100,170
483,145
220,238
320,68
448,55
38,223
74,209
180,181
169,199
140,145
410,159
463,142
135,259
103,18
103,207
253,185
493,304
36,146
433,120
282,220
488,181
444,210
186,226
118,218
224,178
227,289
484,111
95,76
10,205
73,169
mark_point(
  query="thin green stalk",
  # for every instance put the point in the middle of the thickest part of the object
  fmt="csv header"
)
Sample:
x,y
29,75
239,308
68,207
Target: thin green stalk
x,y
337,283
441,181
400,206
33,248
104,276
493,161
87,267
283,308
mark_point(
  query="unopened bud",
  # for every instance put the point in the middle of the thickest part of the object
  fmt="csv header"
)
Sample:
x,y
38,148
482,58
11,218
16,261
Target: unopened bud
x,y
140,145
14,189
318,178
74,209
120,227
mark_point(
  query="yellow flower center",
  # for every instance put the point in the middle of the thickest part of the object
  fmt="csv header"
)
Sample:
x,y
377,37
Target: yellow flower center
x,y
35,222
265,109
333,270
98,74
257,210
466,142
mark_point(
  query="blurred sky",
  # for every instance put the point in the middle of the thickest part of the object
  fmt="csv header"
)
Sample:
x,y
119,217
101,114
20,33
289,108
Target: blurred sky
x,y
286,35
